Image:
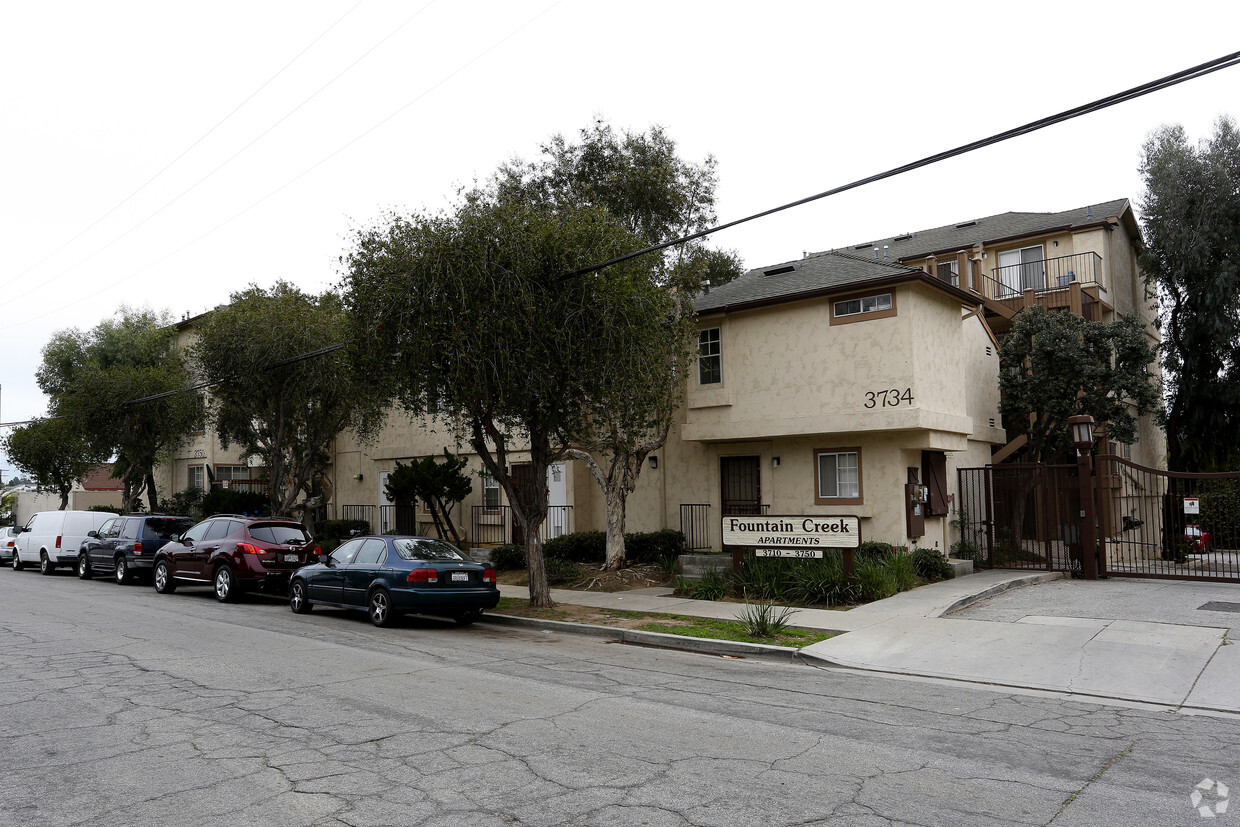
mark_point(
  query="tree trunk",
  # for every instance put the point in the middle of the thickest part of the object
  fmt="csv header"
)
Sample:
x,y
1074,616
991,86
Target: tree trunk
x,y
615,499
152,496
540,592
64,499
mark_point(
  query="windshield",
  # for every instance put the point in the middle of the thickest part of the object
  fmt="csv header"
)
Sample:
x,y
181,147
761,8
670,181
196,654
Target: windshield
x,y
426,549
285,534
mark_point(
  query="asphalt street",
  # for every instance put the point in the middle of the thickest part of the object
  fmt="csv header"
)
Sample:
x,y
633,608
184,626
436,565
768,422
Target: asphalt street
x,y
121,706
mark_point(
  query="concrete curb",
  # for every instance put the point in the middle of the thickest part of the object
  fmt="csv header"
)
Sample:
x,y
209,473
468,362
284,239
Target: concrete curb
x,y
999,588
657,640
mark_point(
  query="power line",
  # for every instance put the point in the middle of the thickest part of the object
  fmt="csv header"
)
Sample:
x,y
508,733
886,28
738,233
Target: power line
x,y
183,153
1102,103
300,175
1068,114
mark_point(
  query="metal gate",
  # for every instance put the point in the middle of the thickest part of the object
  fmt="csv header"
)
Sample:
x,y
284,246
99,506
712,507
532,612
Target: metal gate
x,y
1031,517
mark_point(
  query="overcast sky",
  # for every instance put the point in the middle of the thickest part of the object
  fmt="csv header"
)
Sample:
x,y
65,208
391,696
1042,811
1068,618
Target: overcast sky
x,y
168,154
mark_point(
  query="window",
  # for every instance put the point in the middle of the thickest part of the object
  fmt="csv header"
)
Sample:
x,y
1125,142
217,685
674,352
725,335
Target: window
x,y
866,304
948,272
839,476
232,472
372,552
196,533
344,555
710,359
490,492
195,477
130,532
1019,270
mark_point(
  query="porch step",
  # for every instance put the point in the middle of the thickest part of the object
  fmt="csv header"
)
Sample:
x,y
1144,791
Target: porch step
x,y
693,566
960,567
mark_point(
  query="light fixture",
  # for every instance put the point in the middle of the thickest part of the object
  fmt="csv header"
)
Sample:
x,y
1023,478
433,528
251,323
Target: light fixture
x,y
774,462
357,477
654,461
1082,426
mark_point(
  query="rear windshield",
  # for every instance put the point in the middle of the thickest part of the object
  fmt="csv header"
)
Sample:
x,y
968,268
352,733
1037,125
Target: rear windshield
x,y
426,549
283,534
162,528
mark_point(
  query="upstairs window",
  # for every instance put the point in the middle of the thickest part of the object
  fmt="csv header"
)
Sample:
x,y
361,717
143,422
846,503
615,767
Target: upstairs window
x,y
710,358
865,304
490,492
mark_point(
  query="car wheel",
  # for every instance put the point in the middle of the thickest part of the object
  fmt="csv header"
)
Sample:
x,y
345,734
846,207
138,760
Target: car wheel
x,y
46,566
225,585
164,581
466,618
18,565
84,567
121,571
379,607
297,599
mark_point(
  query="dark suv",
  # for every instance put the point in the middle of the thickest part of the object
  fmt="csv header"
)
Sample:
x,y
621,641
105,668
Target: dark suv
x,y
234,554
126,546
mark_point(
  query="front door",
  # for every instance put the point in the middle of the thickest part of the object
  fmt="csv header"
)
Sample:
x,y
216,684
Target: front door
x,y
557,501
385,512
740,491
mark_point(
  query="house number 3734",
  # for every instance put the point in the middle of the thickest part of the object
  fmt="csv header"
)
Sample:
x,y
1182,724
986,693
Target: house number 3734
x,y
891,398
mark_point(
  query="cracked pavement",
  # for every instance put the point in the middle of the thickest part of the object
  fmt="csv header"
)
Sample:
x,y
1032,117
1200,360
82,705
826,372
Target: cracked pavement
x,y
121,706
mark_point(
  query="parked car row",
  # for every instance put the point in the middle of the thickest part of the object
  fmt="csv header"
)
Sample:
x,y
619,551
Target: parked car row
x,y
386,576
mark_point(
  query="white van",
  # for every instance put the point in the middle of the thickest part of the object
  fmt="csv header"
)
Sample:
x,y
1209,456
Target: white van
x,y
52,538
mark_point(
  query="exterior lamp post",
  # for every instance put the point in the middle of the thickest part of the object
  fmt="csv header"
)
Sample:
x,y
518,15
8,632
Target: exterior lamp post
x,y
1082,427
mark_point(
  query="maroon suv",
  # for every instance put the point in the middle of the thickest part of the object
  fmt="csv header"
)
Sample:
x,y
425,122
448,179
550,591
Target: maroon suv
x,y
235,554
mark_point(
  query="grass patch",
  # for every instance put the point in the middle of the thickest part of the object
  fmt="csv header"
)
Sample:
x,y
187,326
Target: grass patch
x,y
728,630
521,606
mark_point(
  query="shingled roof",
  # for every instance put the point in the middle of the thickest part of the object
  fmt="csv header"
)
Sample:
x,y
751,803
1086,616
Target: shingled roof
x,y
993,228
833,270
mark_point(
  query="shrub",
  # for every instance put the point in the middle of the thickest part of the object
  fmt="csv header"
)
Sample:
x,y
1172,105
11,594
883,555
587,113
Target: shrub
x,y
187,503
931,565
764,619
109,509
764,578
964,550
650,547
578,547
873,580
561,571
714,585
873,549
819,581
339,529
235,501
506,558
903,569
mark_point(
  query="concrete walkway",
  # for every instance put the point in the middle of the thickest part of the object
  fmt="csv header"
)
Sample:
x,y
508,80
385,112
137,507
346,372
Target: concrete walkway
x,y
1179,664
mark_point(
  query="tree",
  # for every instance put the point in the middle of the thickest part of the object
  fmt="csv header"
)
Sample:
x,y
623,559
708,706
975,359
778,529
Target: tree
x,y
1057,364
54,452
280,408
441,485
93,377
470,315
639,180
1191,210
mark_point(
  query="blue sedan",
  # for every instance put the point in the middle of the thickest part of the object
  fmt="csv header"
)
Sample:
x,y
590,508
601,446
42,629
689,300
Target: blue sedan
x,y
390,576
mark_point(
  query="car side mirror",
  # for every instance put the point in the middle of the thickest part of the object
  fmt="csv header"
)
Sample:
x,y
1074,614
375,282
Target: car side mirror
x,y
185,541
92,534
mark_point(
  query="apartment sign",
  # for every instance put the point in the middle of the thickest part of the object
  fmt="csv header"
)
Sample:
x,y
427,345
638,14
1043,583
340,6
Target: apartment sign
x,y
787,535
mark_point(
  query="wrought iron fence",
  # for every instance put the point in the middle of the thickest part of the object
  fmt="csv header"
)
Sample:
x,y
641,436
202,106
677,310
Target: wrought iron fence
x,y
1047,274
1020,516
359,512
496,527
695,525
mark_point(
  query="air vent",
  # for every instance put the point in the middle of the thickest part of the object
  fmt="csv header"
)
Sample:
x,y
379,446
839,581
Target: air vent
x,y
964,224
778,271
992,422
987,350
862,247
904,237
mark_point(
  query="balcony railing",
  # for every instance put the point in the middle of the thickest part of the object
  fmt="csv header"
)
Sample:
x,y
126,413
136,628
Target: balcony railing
x,y
695,525
1045,274
496,526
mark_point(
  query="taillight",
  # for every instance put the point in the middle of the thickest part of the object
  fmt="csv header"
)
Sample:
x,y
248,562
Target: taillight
x,y
422,576
488,576
246,548
137,547
318,551
57,541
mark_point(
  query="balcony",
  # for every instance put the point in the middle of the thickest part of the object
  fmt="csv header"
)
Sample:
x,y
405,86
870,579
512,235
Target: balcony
x,y
1065,283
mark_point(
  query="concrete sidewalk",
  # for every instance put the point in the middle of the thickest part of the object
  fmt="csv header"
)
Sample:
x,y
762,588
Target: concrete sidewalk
x,y
1175,664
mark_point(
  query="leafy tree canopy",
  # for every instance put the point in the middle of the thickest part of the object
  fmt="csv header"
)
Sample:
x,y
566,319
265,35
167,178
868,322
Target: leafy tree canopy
x,y
1191,217
441,485
92,378
54,452
1057,364
284,412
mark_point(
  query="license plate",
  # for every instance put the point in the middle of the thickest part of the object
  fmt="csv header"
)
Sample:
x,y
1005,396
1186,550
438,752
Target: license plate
x,y
459,577
290,558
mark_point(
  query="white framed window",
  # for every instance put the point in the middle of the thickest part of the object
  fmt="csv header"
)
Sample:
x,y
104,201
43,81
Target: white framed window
x,y
865,304
838,473
196,477
948,271
232,472
710,356
490,491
